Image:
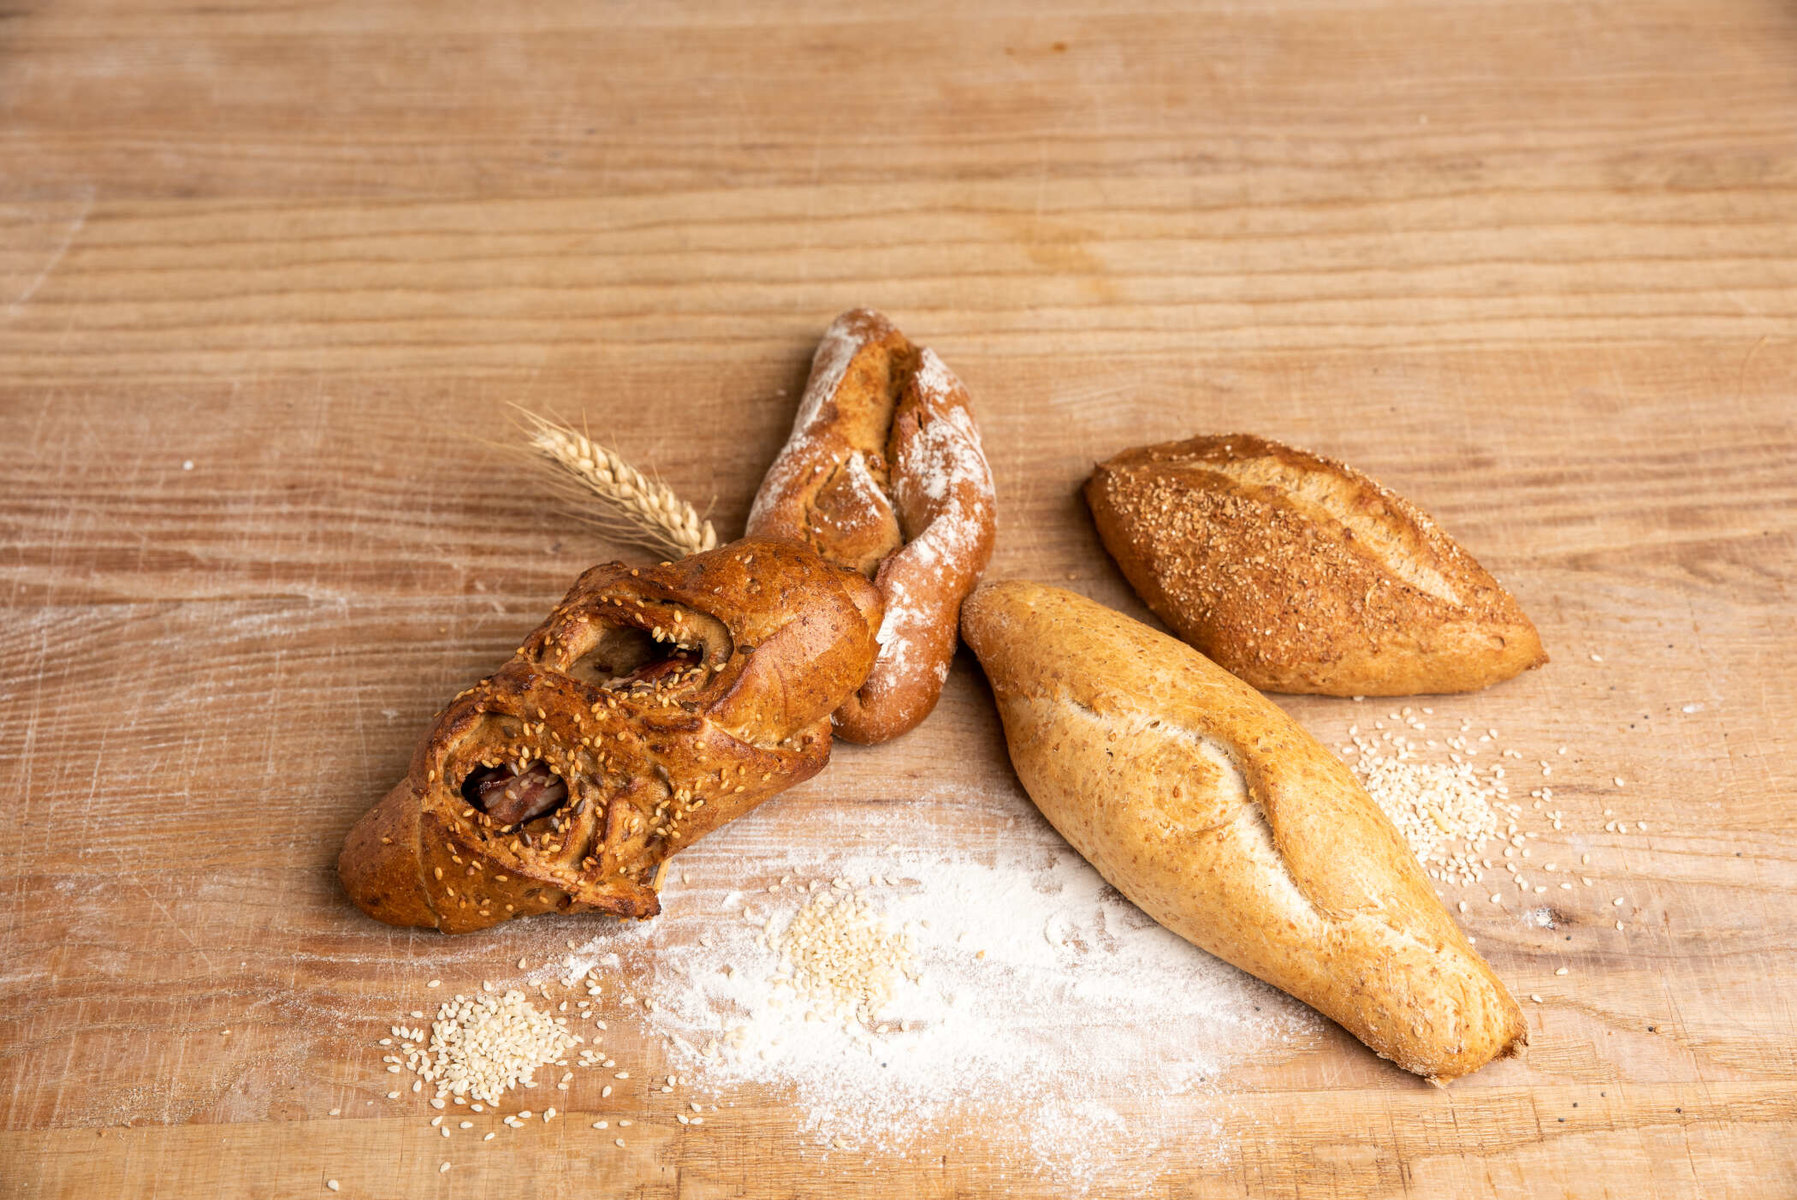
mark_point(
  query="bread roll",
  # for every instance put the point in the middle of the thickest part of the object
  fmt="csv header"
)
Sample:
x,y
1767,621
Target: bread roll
x,y
652,706
884,474
1300,574
1225,821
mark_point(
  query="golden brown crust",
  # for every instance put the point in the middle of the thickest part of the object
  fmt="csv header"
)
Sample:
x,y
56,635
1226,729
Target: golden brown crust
x,y
666,701
1301,574
1225,821
884,474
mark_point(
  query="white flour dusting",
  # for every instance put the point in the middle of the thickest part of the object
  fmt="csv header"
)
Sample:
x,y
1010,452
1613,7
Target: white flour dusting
x,y
1042,1006
941,472
829,363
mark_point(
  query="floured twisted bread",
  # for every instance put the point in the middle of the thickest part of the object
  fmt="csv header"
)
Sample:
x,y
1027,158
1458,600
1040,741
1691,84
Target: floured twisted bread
x,y
1213,811
884,474
1300,574
653,706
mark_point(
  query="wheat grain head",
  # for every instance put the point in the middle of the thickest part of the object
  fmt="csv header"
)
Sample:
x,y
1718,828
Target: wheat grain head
x,y
634,507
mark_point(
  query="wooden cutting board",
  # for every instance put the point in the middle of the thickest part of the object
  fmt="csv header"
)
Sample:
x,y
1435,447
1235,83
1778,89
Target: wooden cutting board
x,y
271,275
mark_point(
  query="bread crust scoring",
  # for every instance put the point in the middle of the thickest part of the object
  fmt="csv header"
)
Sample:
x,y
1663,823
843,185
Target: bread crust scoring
x,y
1300,574
1218,815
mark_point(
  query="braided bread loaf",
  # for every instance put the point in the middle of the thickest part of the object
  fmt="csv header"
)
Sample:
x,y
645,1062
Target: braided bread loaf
x,y
652,706
884,474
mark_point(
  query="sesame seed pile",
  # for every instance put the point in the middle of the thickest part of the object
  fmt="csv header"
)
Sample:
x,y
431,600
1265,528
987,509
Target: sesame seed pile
x,y
845,958
484,1047
478,1049
1447,811
1451,812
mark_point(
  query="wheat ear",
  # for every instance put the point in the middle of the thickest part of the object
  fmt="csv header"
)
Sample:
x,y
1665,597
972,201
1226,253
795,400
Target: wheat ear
x,y
635,508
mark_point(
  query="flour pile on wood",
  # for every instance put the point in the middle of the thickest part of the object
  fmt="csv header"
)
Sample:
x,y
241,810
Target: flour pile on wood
x,y
899,991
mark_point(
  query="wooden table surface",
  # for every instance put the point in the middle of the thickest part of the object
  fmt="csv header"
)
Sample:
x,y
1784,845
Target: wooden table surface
x,y
271,275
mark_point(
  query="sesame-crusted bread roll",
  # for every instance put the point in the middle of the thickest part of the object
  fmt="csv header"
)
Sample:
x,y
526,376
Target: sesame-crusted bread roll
x,y
1218,815
653,706
1300,574
884,474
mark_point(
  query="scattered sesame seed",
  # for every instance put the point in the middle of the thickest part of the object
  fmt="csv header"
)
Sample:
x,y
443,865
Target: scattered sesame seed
x,y
331,1184
1560,971
1535,998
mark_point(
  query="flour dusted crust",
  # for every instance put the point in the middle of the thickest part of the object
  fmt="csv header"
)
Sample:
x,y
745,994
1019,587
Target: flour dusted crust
x,y
1225,821
1300,574
884,474
653,706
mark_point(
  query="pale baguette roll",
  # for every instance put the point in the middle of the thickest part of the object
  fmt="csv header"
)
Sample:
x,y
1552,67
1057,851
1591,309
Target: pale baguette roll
x,y
1225,821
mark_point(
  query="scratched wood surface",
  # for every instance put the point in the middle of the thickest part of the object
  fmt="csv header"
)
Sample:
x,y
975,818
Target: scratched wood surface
x,y
271,274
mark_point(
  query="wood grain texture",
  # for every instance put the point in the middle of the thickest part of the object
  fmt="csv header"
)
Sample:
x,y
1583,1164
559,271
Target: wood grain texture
x,y
1531,264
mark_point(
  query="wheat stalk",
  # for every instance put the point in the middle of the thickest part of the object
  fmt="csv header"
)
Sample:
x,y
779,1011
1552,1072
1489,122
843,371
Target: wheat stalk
x,y
634,507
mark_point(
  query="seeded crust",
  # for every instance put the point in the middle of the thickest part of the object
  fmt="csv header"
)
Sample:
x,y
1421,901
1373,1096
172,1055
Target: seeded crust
x,y
1220,817
1300,574
772,638
884,474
